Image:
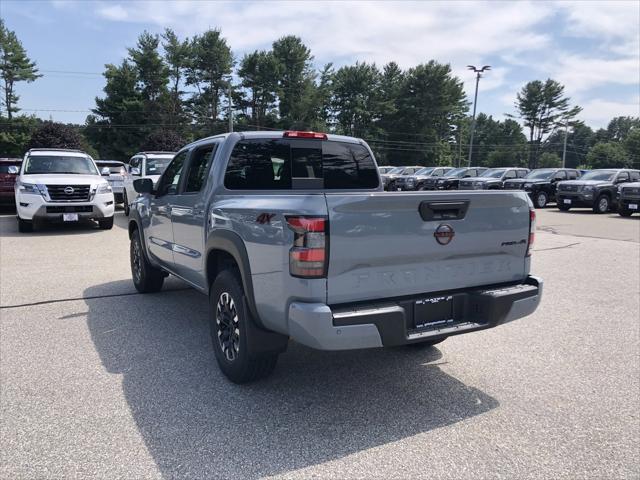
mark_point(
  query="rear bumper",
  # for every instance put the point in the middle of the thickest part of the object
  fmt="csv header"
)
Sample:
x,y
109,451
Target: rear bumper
x,y
390,322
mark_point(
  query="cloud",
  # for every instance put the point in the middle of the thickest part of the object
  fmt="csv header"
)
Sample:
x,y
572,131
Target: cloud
x,y
581,73
599,112
407,32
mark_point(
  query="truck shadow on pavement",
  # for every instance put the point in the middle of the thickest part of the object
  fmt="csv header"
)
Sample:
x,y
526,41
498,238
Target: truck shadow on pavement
x,y
316,407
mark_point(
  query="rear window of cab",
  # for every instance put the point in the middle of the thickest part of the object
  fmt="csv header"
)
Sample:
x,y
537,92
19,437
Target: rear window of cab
x,y
295,164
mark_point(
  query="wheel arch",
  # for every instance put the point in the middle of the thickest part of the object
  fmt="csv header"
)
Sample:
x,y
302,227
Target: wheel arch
x,y
225,248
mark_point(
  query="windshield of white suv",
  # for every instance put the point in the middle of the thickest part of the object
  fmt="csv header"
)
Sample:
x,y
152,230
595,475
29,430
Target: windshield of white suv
x,y
425,171
157,165
598,175
54,164
493,173
540,174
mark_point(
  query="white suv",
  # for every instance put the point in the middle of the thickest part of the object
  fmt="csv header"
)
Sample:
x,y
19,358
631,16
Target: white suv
x,y
61,185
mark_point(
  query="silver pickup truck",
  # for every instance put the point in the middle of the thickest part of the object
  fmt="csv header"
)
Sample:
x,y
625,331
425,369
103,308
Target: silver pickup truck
x,y
292,236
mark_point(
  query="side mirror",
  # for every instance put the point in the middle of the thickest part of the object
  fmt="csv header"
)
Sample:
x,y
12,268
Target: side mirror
x,y
135,171
143,185
13,170
105,172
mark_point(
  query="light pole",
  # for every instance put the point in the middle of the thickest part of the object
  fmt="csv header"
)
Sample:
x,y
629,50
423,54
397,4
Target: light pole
x,y
478,72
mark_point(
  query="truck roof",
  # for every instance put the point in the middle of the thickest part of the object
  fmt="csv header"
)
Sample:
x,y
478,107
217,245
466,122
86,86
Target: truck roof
x,y
273,134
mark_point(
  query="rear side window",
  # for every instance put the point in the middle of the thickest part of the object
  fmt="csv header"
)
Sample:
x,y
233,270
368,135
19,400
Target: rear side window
x,y
573,174
522,173
278,164
199,167
635,176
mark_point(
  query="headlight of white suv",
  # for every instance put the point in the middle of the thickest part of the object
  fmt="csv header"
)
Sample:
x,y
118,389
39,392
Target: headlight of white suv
x,y
104,188
32,188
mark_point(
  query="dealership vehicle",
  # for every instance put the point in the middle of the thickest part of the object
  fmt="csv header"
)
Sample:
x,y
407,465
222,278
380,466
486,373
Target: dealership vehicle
x,y
9,169
390,179
596,189
143,165
628,199
492,179
61,185
420,179
541,184
450,180
291,236
115,173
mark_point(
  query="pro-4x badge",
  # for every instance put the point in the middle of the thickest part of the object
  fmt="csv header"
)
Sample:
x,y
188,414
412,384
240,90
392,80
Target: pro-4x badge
x,y
444,234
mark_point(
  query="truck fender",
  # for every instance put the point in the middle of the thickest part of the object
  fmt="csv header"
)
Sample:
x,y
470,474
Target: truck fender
x,y
260,339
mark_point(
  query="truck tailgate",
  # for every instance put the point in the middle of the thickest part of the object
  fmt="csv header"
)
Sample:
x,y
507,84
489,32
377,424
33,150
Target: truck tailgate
x,y
382,246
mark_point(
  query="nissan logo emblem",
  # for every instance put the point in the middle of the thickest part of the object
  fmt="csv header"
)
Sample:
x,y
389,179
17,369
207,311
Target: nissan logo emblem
x,y
444,234
69,190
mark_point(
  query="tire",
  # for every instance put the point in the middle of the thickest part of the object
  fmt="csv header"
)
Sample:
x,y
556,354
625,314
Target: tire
x,y
146,277
623,212
229,320
541,200
602,204
125,201
106,223
25,226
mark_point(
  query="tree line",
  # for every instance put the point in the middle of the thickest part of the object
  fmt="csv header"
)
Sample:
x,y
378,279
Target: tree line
x,y
171,90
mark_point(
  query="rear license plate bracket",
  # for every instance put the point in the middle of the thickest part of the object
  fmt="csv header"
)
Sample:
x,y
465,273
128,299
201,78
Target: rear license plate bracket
x,y
433,313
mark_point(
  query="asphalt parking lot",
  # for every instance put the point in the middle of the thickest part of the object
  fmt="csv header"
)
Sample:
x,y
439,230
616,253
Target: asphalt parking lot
x,y
99,381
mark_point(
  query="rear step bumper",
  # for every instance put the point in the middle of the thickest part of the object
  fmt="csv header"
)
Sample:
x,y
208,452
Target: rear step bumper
x,y
391,322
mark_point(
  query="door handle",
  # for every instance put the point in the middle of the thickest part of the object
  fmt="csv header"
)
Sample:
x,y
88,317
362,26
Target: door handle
x,y
443,210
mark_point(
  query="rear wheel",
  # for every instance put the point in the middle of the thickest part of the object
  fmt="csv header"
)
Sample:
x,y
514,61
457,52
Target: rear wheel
x,y
106,223
602,204
230,320
126,204
25,226
541,200
146,277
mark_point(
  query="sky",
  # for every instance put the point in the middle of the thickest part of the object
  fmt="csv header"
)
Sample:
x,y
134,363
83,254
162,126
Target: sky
x,y
592,47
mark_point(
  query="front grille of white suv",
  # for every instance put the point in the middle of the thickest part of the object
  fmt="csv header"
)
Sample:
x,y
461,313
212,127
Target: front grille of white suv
x,y
69,193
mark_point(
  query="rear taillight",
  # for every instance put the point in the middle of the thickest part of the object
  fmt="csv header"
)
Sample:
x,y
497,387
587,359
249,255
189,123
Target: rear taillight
x,y
308,258
298,134
532,230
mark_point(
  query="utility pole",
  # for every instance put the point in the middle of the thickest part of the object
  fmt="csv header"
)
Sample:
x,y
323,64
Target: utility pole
x,y
230,109
478,72
564,148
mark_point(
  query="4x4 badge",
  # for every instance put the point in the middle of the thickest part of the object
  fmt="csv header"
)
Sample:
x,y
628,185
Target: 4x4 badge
x,y
444,234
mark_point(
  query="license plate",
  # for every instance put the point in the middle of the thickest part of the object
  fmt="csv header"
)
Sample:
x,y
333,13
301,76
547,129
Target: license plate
x,y
399,189
566,200
633,206
436,312
70,217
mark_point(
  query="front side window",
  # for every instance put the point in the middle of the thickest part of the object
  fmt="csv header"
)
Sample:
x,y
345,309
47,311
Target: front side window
x,y
168,184
54,164
623,177
199,168
635,176
522,173
573,174
510,174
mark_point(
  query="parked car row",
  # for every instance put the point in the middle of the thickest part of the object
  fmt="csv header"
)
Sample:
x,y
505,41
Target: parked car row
x,y
601,190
